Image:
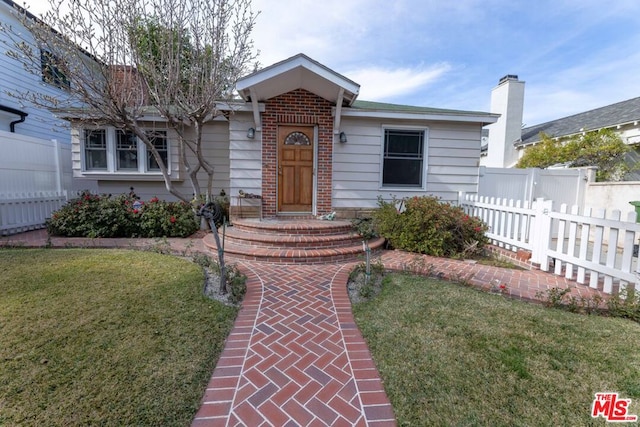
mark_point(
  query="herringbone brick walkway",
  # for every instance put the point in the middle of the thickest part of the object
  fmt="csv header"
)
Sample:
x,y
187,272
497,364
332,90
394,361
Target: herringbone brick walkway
x,y
295,356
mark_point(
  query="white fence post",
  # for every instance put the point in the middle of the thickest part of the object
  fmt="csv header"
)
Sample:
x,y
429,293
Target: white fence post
x,y
541,236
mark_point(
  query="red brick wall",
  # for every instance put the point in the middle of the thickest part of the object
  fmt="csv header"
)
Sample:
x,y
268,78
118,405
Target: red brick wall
x,y
303,108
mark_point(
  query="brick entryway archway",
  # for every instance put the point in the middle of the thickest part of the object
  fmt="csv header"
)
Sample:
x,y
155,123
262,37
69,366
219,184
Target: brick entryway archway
x,y
306,110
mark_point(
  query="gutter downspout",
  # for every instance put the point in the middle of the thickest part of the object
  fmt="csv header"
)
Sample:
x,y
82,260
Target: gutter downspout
x,y
22,114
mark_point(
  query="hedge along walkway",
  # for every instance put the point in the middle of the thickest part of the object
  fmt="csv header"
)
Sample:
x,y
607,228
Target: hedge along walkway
x,y
295,355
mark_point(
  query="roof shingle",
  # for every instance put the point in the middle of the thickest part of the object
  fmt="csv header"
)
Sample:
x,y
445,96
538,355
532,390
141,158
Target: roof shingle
x,y
603,117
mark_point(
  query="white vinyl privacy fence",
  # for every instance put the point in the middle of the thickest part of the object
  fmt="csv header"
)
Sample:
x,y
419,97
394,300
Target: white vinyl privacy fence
x,y
589,247
35,180
561,185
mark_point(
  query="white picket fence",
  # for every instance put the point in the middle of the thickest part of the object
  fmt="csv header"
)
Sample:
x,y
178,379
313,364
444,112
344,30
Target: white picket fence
x,y
24,212
587,247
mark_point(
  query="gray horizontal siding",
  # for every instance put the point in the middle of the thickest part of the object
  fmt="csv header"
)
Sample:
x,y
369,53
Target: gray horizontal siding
x,y
453,154
245,156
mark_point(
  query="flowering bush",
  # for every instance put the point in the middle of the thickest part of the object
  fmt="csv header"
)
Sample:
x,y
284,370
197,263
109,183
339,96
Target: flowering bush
x,y
125,215
428,226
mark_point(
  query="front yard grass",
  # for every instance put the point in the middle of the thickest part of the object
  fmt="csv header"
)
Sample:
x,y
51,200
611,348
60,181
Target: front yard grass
x,y
105,337
452,355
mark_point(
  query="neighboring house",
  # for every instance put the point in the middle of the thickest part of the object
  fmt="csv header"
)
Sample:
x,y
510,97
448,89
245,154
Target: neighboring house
x,y
299,139
19,116
506,139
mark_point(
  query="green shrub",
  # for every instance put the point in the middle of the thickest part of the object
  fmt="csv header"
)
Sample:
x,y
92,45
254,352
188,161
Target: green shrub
x,y
236,284
430,227
625,303
93,215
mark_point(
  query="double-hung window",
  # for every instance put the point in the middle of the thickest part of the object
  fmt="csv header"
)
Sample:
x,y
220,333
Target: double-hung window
x,y
126,151
159,141
95,149
403,158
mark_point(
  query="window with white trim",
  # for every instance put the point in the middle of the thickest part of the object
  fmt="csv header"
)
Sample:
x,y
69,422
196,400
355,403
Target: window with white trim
x,y
126,151
111,150
403,158
95,149
159,140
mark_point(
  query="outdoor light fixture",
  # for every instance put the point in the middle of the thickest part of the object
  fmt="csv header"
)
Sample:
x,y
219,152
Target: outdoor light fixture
x,y
343,137
251,133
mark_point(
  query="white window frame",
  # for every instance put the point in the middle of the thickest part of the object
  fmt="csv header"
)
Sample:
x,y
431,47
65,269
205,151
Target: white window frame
x,y
425,158
112,161
117,150
85,150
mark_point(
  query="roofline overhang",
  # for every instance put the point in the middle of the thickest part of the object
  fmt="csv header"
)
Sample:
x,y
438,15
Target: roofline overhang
x,y
403,115
83,115
244,84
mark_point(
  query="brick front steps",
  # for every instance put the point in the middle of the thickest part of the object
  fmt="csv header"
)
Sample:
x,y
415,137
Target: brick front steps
x,y
307,241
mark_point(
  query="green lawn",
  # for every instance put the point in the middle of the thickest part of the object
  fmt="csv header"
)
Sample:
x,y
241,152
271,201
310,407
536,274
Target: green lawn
x,y
452,355
108,337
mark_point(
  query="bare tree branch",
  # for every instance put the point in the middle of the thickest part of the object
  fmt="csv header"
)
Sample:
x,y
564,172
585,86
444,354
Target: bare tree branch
x,y
124,58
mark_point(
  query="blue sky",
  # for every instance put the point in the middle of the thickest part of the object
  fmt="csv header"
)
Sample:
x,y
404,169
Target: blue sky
x,y
574,55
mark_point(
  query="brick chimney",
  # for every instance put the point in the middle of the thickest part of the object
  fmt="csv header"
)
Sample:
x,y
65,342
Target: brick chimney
x,y
507,99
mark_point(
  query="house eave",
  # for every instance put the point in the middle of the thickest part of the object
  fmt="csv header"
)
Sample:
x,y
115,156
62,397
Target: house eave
x,y
484,119
80,115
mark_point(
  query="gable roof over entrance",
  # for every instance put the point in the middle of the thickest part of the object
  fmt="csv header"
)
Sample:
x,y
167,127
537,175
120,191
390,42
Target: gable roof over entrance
x,y
298,72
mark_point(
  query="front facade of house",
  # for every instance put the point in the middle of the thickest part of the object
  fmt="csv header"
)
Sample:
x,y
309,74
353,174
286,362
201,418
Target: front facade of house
x,y
302,142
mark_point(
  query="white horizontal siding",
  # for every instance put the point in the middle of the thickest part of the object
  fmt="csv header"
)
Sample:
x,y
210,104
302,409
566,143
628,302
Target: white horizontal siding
x,y
453,153
245,157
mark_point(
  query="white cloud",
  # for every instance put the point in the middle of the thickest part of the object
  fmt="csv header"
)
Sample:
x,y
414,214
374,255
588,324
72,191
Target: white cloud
x,y
380,84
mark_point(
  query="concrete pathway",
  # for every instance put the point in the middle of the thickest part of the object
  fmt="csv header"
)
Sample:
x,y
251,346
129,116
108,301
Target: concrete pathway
x,y
295,356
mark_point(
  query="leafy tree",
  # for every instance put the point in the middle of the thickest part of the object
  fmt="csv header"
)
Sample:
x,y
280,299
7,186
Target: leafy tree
x,y
603,149
177,59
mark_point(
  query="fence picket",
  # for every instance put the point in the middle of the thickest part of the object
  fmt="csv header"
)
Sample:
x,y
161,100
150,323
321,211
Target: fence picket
x,y
584,247
510,234
612,249
597,248
560,242
571,244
